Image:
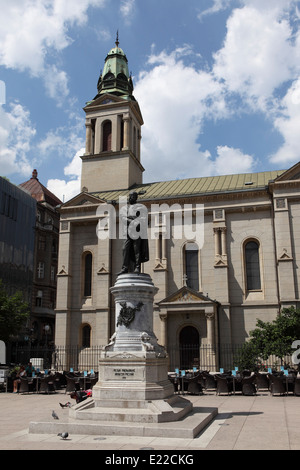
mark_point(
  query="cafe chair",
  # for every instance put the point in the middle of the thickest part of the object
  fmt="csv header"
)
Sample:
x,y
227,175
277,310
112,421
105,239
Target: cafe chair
x,y
58,380
248,385
26,386
72,384
194,386
246,373
262,381
223,385
297,387
47,384
201,379
277,385
210,381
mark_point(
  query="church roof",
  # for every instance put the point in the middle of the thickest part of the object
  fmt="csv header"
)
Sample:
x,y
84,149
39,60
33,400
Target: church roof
x,y
39,192
196,186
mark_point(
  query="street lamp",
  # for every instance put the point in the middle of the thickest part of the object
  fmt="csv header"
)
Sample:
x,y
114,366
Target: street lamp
x,y
47,330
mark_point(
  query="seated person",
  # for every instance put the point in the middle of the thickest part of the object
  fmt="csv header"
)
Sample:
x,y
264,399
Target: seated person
x,y
79,396
29,369
17,381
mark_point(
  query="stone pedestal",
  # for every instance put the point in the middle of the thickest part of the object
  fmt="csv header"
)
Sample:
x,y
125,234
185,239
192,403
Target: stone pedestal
x,y
133,375
133,363
133,395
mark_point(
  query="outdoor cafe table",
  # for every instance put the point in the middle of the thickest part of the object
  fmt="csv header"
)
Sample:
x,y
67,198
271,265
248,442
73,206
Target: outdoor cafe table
x,y
83,379
35,380
236,381
179,380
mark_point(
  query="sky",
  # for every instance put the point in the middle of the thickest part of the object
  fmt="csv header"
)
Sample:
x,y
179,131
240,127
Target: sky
x,y
217,82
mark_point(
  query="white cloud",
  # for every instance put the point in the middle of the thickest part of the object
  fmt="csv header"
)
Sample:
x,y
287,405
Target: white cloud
x,y
65,140
127,9
16,134
232,161
32,30
56,83
258,60
258,55
66,190
174,99
74,167
218,5
288,124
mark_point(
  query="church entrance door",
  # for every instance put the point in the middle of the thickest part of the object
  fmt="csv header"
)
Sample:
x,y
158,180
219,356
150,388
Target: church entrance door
x,y
189,347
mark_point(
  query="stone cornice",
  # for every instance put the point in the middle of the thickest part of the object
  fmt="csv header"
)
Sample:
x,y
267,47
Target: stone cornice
x,y
115,103
113,154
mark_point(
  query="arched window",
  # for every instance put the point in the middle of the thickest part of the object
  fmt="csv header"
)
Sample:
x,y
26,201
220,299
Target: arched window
x,y
106,136
87,291
252,265
191,252
86,336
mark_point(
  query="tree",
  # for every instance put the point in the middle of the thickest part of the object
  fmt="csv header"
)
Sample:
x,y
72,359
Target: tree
x,y
247,357
271,338
276,337
13,313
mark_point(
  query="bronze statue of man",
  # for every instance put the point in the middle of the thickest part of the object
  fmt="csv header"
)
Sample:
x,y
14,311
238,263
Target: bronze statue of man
x,y
134,219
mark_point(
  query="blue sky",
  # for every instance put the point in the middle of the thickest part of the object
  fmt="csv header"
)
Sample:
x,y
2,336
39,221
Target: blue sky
x,y
217,81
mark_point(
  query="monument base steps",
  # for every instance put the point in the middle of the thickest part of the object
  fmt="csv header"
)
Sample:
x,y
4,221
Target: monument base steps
x,y
187,427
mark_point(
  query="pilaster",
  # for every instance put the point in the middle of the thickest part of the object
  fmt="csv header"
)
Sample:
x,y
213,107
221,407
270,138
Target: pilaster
x,y
283,239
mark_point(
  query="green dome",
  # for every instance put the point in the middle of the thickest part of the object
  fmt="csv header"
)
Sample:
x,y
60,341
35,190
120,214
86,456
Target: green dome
x,y
115,78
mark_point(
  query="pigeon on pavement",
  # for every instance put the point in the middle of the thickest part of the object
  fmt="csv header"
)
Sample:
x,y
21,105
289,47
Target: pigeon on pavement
x,y
54,415
63,435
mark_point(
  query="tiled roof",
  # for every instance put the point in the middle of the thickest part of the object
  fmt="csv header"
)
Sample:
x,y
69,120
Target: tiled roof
x,y
196,186
39,192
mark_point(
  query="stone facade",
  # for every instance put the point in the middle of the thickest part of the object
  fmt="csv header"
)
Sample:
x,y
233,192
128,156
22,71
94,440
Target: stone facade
x,y
245,269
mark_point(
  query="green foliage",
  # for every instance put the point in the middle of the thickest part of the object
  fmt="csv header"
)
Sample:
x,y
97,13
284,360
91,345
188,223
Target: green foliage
x,y
276,337
270,338
248,357
13,313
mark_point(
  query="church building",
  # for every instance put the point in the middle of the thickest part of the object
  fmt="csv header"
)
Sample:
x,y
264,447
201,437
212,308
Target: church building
x,y
211,288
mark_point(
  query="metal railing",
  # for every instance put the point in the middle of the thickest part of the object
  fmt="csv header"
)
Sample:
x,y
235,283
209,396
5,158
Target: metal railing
x,y
204,357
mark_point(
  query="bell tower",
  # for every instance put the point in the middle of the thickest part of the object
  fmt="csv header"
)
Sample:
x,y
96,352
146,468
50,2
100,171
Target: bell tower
x,y
113,130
